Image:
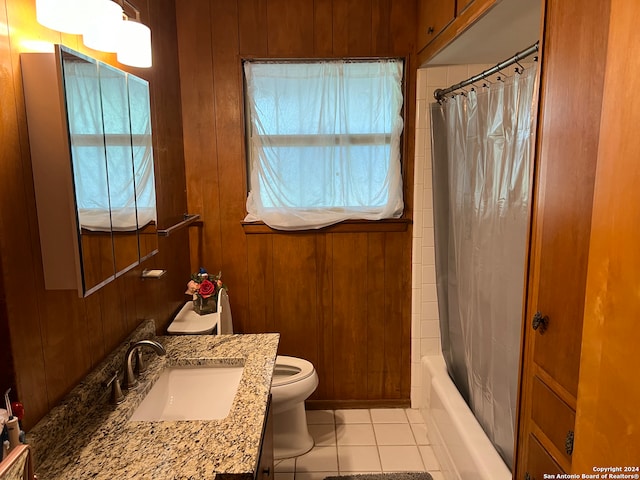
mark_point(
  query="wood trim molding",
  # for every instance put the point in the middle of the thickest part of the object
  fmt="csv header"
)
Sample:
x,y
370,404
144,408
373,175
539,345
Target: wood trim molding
x,y
349,226
347,404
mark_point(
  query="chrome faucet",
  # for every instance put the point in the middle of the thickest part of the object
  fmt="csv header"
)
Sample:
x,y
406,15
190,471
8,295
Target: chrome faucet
x,y
131,380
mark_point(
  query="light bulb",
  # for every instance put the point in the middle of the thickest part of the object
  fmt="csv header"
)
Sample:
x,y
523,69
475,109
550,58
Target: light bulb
x,y
68,16
104,26
134,45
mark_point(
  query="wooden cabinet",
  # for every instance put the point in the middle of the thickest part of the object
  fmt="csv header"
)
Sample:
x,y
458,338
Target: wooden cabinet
x,y
578,403
265,469
441,21
92,155
433,17
566,157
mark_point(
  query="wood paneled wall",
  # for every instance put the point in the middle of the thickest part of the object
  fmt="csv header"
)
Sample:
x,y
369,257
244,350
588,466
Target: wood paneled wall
x,y
340,298
51,339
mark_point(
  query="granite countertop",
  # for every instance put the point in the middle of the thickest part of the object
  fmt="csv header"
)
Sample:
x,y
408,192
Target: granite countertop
x,y
103,444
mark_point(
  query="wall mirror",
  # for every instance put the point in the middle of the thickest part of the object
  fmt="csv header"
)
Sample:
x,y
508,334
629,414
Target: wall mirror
x,y
140,115
91,149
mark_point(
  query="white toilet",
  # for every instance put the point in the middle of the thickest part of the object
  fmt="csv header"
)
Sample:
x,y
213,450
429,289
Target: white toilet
x,y
294,379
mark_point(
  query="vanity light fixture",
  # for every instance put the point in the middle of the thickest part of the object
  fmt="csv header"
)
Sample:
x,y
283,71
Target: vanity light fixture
x,y
103,27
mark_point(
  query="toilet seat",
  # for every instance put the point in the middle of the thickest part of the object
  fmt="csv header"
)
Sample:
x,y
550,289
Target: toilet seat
x,y
289,370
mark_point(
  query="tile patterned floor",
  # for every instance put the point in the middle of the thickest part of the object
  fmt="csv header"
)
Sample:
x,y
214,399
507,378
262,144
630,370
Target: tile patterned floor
x,y
362,441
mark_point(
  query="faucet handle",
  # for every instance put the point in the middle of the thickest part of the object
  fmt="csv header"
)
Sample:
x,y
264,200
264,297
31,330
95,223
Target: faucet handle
x,y
116,392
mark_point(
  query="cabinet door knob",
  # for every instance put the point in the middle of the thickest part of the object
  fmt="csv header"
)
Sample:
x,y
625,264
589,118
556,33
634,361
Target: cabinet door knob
x,y
540,321
430,31
527,476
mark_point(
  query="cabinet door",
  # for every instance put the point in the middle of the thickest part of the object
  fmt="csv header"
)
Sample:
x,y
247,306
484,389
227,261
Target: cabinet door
x,y
117,139
433,17
567,153
145,188
539,462
554,420
89,166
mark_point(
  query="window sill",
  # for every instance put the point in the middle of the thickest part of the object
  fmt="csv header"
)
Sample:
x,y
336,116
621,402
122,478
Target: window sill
x,y
348,226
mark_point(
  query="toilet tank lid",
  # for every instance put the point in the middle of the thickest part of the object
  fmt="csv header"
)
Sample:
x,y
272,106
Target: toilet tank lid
x,y
188,322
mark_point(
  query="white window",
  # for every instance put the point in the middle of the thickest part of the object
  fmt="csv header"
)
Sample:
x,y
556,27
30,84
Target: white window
x,y
323,142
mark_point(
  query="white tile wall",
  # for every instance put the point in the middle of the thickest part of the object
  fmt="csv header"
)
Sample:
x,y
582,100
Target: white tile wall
x,y
425,332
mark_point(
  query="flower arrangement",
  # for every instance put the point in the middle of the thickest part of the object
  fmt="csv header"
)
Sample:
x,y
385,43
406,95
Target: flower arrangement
x,y
204,289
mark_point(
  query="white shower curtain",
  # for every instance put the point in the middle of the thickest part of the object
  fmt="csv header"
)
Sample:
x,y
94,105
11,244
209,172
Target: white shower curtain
x,y
481,169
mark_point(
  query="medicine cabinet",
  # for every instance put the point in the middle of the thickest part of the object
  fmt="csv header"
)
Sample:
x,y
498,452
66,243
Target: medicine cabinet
x,y
92,159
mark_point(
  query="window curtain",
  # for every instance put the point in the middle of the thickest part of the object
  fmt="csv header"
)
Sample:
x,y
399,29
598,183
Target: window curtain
x,y
481,171
324,142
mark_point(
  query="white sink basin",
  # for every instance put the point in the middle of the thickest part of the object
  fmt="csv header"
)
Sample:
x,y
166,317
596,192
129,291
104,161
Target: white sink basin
x,y
191,393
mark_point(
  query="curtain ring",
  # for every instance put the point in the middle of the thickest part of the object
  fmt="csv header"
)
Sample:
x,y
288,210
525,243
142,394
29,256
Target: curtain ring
x,y
500,76
519,70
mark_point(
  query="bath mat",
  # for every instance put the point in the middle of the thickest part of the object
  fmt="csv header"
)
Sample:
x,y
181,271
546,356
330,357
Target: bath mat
x,y
385,476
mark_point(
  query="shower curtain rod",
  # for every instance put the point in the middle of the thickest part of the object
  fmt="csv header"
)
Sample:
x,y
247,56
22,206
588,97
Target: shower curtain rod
x,y
440,93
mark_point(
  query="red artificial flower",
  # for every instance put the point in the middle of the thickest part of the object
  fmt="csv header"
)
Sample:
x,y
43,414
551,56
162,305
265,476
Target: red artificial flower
x,y
206,289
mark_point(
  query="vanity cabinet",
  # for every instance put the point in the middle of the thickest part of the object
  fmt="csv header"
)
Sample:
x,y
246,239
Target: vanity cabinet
x,y
265,470
92,160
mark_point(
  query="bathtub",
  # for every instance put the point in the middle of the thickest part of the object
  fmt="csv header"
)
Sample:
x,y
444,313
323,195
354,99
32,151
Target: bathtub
x,y
460,444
